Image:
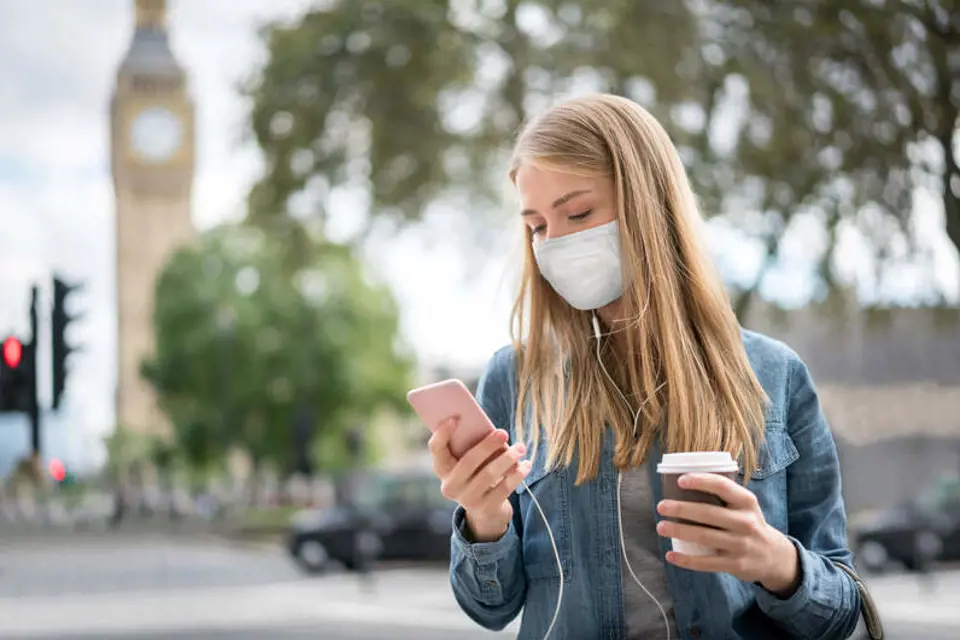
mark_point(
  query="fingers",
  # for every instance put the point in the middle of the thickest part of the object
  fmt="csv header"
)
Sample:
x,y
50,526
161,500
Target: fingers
x,y
736,496
498,466
491,503
485,476
443,460
708,514
708,564
473,459
475,488
723,541
508,484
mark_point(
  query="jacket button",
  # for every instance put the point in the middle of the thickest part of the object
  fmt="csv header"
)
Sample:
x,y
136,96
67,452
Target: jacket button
x,y
694,632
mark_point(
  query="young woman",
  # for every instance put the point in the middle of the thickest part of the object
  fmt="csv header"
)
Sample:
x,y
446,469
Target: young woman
x,y
626,347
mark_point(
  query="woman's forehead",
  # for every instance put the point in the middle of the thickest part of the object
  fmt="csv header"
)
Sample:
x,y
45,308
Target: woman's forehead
x,y
540,187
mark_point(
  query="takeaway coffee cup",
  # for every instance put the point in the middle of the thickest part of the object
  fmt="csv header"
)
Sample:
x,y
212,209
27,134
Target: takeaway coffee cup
x,y
674,465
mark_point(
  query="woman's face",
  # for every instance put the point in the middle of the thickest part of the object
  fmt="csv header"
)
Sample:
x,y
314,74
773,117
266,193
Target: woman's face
x,y
555,204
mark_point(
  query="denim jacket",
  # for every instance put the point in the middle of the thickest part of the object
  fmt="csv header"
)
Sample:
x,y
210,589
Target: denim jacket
x,y
797,484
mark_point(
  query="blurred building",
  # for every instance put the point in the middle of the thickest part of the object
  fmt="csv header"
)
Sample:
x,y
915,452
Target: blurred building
x,y
889,383
152,161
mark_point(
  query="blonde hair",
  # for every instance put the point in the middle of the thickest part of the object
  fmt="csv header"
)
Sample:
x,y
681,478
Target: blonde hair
x,y
687,366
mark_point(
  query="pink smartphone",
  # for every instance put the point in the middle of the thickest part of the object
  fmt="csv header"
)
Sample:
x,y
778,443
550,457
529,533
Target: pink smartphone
x,y
436,402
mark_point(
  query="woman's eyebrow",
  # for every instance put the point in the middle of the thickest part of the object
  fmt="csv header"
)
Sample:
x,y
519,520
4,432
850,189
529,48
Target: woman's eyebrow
x,y
559,201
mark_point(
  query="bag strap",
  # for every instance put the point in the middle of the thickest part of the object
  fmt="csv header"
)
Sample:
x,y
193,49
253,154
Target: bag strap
x,y
868,608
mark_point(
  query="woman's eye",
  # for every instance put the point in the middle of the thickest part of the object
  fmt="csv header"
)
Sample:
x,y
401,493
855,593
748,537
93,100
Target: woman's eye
x,y
581,216
539,229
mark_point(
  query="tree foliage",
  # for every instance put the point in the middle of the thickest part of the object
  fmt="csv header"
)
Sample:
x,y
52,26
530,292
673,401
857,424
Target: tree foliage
x,y
352,94
245,353
853,106
838,109
418,99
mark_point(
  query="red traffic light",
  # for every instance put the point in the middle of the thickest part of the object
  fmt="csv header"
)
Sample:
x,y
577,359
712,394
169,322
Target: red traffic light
x,y
57,470
12,352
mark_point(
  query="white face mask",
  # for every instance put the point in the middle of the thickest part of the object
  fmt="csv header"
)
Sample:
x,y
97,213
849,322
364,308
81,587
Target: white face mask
x,y
583,267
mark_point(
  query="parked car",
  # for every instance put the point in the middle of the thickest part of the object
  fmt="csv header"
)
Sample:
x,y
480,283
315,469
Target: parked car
x,y
392,516
912,534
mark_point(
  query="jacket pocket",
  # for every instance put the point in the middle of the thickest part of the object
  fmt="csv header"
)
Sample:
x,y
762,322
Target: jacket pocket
x,y
777,452
768,482
551,489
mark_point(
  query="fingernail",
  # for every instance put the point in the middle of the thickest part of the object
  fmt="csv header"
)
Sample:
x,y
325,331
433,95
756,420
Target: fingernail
x,y
661,508
522,448
661,527
683,482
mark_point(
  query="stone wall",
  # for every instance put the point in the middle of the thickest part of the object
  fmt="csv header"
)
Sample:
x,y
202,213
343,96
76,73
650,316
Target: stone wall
x,y
889,383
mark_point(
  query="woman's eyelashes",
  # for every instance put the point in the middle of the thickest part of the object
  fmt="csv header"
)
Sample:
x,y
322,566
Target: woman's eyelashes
x,y
579,217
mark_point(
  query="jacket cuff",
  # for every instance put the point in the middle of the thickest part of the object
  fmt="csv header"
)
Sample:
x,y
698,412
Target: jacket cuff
x,y
483,553
783,608
825,604
483,569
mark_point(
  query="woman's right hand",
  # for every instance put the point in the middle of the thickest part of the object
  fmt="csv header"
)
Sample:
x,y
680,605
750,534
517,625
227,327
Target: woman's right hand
x,y
482,480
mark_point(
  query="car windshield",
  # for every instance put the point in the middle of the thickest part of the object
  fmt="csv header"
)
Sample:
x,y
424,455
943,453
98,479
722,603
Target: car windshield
x,y
383,491
944,493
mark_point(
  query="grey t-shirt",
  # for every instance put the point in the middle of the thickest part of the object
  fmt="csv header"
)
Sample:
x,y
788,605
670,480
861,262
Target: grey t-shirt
x,y
642,545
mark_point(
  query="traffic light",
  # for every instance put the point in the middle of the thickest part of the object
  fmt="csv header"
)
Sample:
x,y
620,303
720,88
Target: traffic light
x,y
12,352
16,375
59,322
60,474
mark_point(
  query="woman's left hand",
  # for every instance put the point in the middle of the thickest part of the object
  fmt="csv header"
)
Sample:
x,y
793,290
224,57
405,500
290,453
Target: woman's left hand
x,y
747,547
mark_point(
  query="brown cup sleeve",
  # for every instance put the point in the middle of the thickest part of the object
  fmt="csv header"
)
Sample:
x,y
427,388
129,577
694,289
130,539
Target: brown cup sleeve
x,y
672,491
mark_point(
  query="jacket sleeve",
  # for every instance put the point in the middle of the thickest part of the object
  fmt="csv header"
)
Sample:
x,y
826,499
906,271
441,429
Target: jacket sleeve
x,y
826,605
487,578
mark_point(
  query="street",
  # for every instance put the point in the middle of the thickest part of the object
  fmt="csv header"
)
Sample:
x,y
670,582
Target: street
x,y
192,588
156,587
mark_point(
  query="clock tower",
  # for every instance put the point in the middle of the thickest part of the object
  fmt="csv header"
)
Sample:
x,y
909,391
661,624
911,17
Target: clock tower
x,y
152,161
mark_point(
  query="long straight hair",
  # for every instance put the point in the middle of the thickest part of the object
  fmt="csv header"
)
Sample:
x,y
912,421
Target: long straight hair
x,y
677,349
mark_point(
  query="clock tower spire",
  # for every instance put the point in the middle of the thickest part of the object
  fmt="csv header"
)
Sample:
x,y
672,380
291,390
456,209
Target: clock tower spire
x,y
152,162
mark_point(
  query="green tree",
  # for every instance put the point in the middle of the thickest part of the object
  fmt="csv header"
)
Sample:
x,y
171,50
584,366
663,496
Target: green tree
x,y
243,350
125,448
778,109
417,101
853,105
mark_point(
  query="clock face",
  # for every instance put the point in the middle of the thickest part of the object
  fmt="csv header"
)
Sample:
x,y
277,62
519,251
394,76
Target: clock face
x,y
156,134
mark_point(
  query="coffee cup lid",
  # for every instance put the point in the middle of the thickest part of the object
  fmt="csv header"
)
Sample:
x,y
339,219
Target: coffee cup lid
x,y
693,461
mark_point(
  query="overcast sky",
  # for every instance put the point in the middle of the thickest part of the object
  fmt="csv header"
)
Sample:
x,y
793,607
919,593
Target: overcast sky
x,y
58,61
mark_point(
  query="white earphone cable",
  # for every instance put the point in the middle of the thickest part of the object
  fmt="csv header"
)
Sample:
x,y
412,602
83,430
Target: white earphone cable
x,y
623,549
626,560
556,555
636,419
